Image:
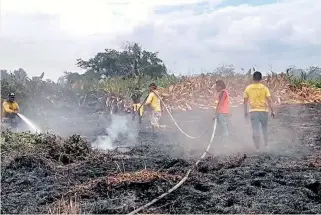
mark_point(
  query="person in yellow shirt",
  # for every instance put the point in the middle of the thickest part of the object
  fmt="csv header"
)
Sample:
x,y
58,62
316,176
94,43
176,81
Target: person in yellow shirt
x,y
259,98
154,102
136,96
10,108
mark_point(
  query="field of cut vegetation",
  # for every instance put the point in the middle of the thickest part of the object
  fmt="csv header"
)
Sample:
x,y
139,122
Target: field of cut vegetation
x,y
46,173
59,171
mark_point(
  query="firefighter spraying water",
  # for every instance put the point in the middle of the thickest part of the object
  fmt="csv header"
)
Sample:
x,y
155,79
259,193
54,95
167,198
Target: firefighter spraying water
x,y
10,109
11,117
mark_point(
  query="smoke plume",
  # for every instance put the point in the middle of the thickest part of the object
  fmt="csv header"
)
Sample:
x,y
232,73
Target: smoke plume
x,y
120,133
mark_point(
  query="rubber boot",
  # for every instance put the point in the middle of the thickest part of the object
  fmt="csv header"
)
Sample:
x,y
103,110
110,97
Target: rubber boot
x,y
140,119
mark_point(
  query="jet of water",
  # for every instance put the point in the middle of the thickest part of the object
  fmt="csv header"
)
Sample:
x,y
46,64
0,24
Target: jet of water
x,y
33,127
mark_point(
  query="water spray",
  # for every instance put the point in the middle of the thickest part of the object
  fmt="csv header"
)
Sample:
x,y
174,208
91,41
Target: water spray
x,y
33,127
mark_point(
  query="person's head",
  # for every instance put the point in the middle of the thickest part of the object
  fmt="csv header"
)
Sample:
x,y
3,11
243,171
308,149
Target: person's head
x,y
11,97
152,86
257,76
220,85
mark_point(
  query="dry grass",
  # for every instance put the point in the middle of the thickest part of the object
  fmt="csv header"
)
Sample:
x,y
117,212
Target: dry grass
x,y
315,161
142,176
190,92
66,207
73,207
199,92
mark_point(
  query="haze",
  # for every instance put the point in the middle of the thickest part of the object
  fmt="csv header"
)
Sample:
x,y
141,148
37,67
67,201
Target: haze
x,y
190,35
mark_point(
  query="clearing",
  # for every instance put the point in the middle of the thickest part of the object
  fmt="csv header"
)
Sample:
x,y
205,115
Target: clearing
x,y
56,175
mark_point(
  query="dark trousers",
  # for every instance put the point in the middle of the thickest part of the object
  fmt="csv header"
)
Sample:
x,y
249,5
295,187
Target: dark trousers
x,y
11,120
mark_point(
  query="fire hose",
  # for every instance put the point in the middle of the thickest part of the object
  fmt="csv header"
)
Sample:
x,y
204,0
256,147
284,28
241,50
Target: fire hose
x,y
181,182
172,118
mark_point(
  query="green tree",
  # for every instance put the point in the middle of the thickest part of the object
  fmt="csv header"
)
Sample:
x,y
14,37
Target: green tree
x,y
131,61
70,78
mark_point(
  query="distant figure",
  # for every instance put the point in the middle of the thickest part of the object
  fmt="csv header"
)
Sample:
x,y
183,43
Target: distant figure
x,y
222,109
256,95
154,102
136,96
114,103
10,108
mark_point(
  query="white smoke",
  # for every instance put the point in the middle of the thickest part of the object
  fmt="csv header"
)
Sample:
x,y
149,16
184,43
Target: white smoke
x,y
121,130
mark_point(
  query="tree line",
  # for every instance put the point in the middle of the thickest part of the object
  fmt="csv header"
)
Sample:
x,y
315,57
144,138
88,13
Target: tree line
x,y
131,62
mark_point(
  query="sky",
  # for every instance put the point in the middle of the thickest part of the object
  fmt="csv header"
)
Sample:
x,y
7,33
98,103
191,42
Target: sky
x,y
191,36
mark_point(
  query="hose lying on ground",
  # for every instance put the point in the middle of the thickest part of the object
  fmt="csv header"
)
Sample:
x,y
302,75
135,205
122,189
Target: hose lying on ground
x,y
179,128
181,181
174,119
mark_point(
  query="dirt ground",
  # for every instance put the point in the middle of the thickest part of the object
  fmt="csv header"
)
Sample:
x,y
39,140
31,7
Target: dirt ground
x,y
233,179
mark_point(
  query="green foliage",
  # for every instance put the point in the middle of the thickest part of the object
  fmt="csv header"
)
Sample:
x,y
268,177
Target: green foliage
x,y
34,93
299,82
124,87
309,77
70,78
130,62
19,141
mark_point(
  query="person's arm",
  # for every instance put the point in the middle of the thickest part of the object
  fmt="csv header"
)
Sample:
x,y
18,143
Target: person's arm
x,y
269,101
245,102
149,99
18,108
7,108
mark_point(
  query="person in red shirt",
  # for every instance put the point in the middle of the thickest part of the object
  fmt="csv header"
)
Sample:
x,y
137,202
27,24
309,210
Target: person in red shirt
x,y
222,109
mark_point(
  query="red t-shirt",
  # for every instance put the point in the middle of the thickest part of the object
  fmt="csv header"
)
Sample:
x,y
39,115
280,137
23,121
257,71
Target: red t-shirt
x,y
224,106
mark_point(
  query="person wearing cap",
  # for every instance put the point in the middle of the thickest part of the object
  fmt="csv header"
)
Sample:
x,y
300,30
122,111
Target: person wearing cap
x,y
222,109
10,108
259,98
154,102
136,96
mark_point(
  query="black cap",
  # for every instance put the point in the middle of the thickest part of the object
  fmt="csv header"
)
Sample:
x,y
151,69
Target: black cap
x,y
12,95
152,85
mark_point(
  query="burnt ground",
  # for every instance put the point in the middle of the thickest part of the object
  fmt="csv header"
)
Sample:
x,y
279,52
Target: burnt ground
x,y
284,179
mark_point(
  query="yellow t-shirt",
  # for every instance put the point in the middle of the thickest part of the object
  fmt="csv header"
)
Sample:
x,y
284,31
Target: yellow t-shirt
x,y
9,107
257,94
154,102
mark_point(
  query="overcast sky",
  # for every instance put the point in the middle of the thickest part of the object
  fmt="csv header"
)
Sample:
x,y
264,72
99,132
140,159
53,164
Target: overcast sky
x,y
190,35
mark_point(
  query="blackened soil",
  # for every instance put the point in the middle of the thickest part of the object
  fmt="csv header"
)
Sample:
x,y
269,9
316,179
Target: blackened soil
x,y
284,179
